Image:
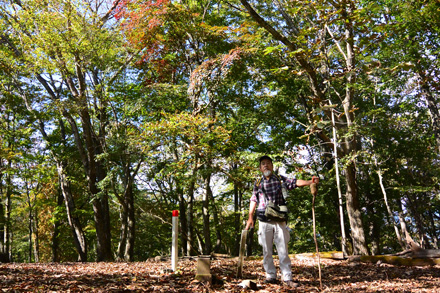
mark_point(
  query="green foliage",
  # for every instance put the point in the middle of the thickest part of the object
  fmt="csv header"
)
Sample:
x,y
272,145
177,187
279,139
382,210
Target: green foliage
x,y
176,92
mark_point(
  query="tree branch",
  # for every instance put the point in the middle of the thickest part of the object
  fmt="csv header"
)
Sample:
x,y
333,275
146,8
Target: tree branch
x,y
337,42
300,57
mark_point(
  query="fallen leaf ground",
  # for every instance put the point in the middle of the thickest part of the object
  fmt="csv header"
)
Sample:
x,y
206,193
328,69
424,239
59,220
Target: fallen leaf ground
x,y
152,276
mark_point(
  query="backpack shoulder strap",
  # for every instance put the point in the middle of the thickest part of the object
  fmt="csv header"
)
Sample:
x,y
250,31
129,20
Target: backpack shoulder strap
x,y
258,184
279,178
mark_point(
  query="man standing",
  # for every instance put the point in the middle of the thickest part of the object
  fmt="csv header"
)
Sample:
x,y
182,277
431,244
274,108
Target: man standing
x,y
272,188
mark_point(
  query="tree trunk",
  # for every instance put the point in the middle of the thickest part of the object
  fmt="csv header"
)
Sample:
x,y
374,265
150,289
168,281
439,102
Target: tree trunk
x,y
338,186
403,227
217,225
354,214
190,240
66,191
30,234
102,225
207,248
131,233
413,206
74,222
183,222
56,231
183,217
123,233
433,230
36,238
2,212
5,213
389,211
375,237
128,226
2,223
95,173
8,228
237,222
127,212
353,207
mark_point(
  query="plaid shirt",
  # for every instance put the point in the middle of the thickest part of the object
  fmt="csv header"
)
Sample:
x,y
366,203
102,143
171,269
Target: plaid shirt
x,y
272,189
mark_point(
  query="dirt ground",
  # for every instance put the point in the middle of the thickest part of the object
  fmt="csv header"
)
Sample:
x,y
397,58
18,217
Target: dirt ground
x,y
155,276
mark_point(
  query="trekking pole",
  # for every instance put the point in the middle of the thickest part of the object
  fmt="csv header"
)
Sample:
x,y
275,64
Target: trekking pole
x,y
314,191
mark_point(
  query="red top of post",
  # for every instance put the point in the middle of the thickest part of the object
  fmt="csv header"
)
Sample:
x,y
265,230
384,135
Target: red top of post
x,y
175,213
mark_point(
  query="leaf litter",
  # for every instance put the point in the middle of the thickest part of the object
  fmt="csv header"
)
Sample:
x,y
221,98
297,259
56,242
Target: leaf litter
x,y
156,276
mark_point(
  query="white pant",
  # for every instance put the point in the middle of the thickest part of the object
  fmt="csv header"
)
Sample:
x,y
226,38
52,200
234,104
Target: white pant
x,y
268,234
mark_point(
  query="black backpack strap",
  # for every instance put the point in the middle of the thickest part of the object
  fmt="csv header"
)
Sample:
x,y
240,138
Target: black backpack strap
x,y
259,184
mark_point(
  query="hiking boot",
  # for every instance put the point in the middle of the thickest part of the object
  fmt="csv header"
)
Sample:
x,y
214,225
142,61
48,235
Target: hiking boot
x,y
290,284
270,281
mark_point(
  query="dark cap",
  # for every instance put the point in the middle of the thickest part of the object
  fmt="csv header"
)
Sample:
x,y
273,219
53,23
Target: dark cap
x,y
265,158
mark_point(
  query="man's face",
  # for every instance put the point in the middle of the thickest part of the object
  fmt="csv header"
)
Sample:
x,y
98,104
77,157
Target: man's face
x,y
266,167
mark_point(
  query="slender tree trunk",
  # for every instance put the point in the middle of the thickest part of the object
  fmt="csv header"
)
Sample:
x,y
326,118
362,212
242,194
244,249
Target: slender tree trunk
x,y
6,209
217,225
433,229
237,222
66,191
2,223
74,222
30,235
183,222
123,233
389,211
131,233
183,210
207,248
36,237
127,209
375,237
56,231
8,228
415,211
3,252
190,214
403,226
338,185
128,225
2,213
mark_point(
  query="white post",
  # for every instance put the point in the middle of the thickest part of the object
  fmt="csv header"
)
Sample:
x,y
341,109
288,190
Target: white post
x,y
174,251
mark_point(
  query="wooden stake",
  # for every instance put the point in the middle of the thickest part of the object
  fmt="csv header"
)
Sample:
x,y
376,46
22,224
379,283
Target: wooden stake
x,y
243,238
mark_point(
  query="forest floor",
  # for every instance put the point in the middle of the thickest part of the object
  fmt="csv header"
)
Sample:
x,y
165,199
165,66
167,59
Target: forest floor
x,y
155,276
